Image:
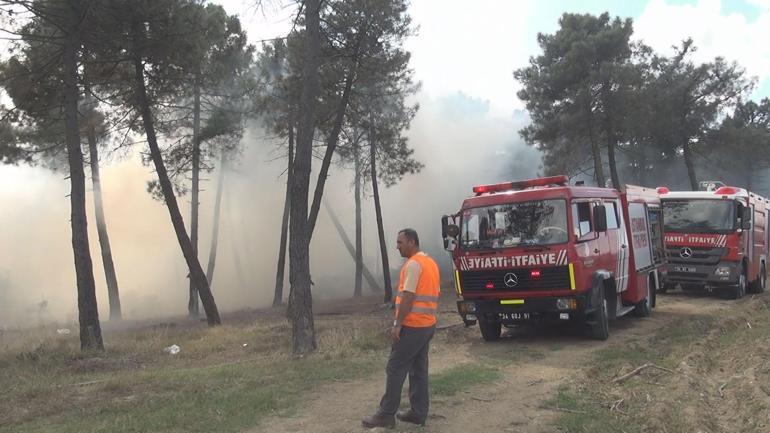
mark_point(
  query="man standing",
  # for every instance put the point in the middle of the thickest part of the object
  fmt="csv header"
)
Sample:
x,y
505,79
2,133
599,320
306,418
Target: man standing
x,y
413,328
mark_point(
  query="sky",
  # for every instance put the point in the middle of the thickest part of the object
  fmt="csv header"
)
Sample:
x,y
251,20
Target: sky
x,y
466,133
474,47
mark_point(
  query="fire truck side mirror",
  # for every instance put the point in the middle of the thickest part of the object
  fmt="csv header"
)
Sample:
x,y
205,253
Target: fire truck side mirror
x,y
449,233
600,218
746,214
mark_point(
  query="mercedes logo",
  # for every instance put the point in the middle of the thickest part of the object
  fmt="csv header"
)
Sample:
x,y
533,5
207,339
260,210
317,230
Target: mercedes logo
x,y
685,253
511,280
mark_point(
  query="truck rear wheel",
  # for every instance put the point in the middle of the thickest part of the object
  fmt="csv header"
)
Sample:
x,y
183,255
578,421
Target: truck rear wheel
x,y
490,330
599,325
644,308
665,287
760,284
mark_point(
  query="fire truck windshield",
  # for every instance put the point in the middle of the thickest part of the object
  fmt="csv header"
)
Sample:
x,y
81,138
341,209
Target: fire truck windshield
x,y
699,216
542,222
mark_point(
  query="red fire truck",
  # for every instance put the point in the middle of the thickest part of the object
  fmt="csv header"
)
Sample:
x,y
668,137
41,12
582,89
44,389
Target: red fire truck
x,y
716,240
541,249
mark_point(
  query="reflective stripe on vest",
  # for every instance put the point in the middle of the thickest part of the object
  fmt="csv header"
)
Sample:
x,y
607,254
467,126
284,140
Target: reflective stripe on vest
x,y
425,305
423,298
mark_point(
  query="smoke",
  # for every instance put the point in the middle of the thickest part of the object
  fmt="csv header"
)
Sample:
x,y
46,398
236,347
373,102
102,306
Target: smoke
x,y
456,137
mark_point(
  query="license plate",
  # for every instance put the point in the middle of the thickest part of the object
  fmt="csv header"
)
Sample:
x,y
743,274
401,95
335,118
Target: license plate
x,y
515,316
684,269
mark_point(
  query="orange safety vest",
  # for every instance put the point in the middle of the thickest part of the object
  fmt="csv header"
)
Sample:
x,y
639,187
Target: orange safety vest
x,y
425,305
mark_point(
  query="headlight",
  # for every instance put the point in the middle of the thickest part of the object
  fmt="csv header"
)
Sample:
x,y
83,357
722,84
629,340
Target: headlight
x,y
722,271
566,304
470,307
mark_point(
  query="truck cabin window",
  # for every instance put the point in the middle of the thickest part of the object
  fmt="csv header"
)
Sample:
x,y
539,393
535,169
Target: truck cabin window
x,y
699,216
581,216
542,222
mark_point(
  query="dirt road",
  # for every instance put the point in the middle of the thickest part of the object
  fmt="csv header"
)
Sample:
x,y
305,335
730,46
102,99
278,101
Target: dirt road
x,y
532,362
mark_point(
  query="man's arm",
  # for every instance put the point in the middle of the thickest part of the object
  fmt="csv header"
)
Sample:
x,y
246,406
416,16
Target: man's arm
x,y
407,299
413,272
404,307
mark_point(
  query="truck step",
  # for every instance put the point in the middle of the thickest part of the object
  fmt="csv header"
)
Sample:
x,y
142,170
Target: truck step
x,y
622,311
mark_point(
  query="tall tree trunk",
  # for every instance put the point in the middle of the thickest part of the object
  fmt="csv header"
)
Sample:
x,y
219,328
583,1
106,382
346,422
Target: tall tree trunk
x,y
609,132
749,175
113,293
688,162
331,146
359,246
642,166
279,273
595,151
196,271
215,225
613,166
234,238
300,309
88,311
370,279
192,303
380,229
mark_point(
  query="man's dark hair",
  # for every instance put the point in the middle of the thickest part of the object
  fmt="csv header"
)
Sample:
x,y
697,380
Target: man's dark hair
x,y
411,234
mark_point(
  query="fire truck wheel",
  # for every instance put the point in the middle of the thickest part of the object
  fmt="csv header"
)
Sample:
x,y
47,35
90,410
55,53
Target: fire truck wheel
x,y
739,290
599,326
644,308
490,330
666,286
760,284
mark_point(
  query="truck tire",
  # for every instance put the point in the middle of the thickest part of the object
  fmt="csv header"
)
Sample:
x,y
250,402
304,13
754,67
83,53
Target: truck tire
x,y
599,325
759,285
739,289
665,287
490,331
644,308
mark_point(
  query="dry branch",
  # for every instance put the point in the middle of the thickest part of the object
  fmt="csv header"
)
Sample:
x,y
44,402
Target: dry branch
x,y
638,370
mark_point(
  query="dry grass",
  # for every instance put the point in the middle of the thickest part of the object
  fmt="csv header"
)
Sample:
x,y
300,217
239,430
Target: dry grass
x,y
721,370
224,379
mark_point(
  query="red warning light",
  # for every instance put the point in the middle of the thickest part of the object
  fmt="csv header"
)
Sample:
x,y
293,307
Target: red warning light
x,y
535,273
490,286
523,184
726,190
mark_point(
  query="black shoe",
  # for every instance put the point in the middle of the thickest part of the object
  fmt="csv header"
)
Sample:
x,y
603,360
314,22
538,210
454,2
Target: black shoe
x,y
410,417
378,420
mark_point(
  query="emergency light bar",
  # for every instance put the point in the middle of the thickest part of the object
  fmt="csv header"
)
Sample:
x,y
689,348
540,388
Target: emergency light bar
x,y
522,184
662,190
726,190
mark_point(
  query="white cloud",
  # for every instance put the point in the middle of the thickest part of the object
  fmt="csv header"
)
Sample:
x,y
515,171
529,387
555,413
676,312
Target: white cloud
x,y
472,47
731,36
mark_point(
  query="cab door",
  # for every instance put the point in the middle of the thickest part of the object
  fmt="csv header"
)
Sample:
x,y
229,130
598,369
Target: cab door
x,y
617,244
590,246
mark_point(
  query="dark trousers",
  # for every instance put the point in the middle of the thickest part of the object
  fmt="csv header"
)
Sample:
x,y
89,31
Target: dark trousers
x,y
408,356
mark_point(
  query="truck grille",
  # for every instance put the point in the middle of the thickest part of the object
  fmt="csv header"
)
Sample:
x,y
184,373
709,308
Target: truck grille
x,y
694,276
700,255
552,278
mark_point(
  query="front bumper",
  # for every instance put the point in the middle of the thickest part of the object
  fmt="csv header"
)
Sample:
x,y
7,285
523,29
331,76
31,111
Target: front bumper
x,y
575,306
723,274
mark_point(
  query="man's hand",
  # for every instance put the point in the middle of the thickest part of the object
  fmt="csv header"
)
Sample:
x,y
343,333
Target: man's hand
x,y
395,333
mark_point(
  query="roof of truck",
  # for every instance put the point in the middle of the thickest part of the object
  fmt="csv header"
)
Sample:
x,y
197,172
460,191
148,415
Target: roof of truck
x,y
539,193
705,195
549,188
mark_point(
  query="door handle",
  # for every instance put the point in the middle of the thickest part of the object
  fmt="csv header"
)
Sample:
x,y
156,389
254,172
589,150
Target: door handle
x,y
596,250
623,246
